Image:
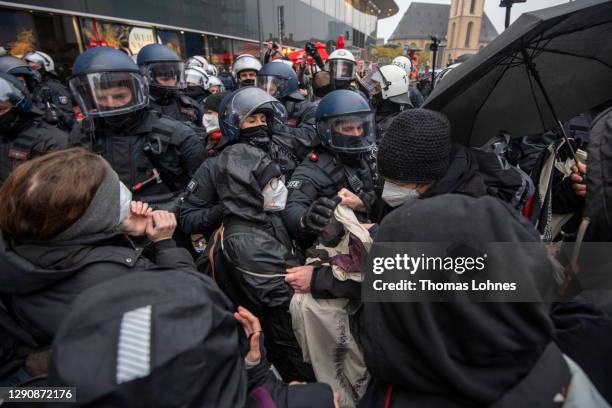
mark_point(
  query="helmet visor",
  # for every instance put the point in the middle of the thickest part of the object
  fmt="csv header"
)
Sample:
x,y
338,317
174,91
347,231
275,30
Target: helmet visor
x,y
168,74
10,96
353,133
195,78
109,93
248,101
275,86
342,69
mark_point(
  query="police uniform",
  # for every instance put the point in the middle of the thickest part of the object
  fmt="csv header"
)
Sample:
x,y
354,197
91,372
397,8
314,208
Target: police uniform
x,y
179,107
156,157
324,174
35,138
51,90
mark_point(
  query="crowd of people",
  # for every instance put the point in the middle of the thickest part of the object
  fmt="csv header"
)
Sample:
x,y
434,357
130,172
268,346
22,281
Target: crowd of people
x,y
172,239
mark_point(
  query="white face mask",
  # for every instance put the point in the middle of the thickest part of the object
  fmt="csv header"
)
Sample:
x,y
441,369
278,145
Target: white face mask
x,y
210,122
395,195
125,199
274,195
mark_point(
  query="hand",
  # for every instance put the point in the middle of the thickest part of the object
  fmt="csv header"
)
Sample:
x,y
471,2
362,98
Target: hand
x,y
136,222
351,200
252,329
161,226
299,278
577,177
319,214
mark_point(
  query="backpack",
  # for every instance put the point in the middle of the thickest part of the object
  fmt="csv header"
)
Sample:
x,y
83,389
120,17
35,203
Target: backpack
x,y
503,180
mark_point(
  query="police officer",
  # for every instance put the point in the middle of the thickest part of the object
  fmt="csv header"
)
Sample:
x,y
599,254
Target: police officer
x,y
244,117
292,143
341,66
50,89
153,154
341,169
23,133
244,70
166,75
390,96
416,97
197,80
41,97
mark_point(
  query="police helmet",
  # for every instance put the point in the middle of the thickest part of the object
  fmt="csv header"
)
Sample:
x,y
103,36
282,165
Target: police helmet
x,y
277,79
106,82
41,58
240,104
162,67
13,94
345,122
19,68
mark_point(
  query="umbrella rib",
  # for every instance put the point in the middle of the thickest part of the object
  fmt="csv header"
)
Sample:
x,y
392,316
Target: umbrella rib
x,y
535,100
487,97
575,55
577,30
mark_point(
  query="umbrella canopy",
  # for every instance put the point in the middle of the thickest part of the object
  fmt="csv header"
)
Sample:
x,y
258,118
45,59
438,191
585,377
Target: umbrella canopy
x,y
297,56
557,59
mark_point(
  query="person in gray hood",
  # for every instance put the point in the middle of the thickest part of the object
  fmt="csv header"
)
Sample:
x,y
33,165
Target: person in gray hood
x,y
65,221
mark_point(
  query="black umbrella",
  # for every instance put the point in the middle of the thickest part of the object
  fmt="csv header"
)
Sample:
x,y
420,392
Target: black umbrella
x,y
547,67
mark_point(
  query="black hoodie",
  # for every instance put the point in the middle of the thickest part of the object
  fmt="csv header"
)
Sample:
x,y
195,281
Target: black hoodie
x,y
462,354
43,278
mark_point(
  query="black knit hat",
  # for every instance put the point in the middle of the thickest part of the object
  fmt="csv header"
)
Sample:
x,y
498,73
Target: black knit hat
x,y
416,147
213,101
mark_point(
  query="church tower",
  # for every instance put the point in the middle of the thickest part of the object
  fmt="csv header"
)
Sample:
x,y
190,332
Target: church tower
x,y
463,35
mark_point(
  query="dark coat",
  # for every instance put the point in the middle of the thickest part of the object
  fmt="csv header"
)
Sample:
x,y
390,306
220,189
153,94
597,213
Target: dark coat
x,y
463,354
44,278
252,257
32,138
181,153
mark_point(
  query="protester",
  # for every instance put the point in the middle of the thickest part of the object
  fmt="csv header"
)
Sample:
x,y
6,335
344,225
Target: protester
x,y
65,219
251,251
464,353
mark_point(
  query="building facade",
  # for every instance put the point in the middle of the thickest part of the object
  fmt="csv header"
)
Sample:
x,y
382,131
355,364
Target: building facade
x,y
463,27
218,29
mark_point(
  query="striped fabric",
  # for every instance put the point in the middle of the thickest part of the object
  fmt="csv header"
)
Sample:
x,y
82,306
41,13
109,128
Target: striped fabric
x,y
134,348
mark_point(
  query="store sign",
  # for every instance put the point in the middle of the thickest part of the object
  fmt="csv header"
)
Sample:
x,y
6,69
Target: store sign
x,y
139,37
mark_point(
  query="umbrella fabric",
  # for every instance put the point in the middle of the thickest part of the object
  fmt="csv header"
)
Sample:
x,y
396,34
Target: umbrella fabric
x,y
494,90
297,56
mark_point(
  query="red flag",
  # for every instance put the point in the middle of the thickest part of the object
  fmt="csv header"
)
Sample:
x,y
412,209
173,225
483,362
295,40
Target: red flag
x,y
340,42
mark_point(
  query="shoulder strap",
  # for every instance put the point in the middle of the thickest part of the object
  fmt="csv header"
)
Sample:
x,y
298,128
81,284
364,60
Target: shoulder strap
x,y
27,139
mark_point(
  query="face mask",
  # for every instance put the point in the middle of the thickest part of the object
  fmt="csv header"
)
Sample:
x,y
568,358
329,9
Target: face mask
x,y
274,195
210,122
247,82
9,120
257,136
196,92
125,199
395,195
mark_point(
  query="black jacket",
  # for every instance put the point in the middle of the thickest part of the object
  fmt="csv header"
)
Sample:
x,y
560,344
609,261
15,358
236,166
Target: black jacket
x,y
322,174
254,252
180,153
33,137
52,91
44,278
179,107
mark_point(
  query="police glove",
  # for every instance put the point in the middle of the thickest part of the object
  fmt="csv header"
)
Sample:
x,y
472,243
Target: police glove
x,y
320,213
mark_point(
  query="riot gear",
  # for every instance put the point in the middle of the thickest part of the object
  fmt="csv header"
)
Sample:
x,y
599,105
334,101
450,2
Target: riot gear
x,y
245,62
277,79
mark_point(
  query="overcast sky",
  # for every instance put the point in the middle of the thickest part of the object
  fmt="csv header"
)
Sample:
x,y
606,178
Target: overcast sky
x,y
495,13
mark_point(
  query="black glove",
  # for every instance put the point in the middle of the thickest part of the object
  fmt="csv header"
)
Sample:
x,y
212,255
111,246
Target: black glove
x,y
320,213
